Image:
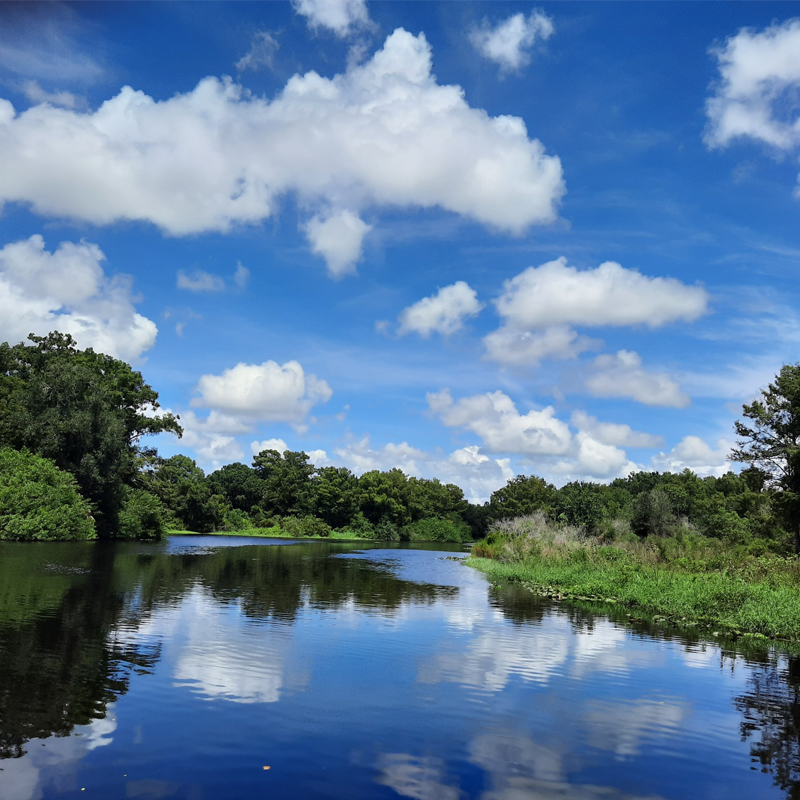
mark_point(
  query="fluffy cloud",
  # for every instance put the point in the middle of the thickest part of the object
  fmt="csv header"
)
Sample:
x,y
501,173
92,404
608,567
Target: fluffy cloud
x,y
268,444
614,433
509,42
475,472
67,290
610,295
339,16
213,437
756,94
519,348
594,459
267,391
338,238
622,375
443,312
261,53
540,305
494,417
694,453
384,133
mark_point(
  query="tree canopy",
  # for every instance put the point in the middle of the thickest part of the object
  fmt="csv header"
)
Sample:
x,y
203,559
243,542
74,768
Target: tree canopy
x,y
83,410
770,441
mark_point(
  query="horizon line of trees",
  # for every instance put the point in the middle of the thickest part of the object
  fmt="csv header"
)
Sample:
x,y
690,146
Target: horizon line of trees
x,y
72,465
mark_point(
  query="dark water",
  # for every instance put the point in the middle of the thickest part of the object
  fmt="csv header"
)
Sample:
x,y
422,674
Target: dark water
x,y
183,669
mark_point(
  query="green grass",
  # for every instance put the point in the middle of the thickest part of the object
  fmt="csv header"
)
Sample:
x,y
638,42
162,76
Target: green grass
x,y
272,533
727,601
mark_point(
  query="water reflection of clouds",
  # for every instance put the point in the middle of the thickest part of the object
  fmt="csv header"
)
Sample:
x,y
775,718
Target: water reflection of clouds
x,y
224,656
520,769
538,653
221,654
418,778
22,777
623,727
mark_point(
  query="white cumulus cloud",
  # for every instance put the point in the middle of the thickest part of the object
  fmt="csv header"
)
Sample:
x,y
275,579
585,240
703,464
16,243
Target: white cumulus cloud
x,y
382,134
338,238
756,96
518,348
610,295
340,16
594,459
494,417
67,290
477,474
614,433
268,392
622,375
443,312
540,306
696,454
509,42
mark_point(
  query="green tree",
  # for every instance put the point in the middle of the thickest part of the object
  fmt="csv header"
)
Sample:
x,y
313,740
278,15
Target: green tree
x,y
521,496
384,498
40,501
335,492
238,484
287,482
83,410
770,440
182,487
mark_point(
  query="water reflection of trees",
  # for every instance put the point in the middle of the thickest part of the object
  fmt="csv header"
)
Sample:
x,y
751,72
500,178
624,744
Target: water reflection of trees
x,y
771,711
59,666
66,615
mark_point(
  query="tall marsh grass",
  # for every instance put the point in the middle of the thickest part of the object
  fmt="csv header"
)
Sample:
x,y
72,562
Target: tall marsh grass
x,y
688,577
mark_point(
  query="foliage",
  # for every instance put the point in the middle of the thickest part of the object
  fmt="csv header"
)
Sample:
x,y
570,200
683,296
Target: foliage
x,y
182,487
286,479
83,410
771,441
432,529
520,496
39,501
238,484
141,516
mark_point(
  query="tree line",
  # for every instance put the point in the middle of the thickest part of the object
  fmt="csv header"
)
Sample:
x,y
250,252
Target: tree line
x,y
73,464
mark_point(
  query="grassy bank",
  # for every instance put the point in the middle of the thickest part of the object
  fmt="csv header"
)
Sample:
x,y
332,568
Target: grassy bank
x,y
690,582
274,533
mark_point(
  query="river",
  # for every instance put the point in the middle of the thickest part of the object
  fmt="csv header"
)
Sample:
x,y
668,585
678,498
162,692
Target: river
x,y
209,668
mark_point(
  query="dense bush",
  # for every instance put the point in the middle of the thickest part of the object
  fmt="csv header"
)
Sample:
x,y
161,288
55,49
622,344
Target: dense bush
x,y
436,530
38,501
141,516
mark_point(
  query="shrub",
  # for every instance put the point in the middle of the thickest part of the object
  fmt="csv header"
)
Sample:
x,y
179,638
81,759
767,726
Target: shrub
x,y
361,527
236,520
141,517
654,514
305,526
38,501
436,530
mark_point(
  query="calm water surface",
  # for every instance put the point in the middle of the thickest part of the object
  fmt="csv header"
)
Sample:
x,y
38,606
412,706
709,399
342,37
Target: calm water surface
x,y
183,669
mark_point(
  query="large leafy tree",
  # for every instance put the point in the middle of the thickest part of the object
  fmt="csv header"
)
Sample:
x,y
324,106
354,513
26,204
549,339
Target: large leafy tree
x,y
85,411
287,482
522,495
769,439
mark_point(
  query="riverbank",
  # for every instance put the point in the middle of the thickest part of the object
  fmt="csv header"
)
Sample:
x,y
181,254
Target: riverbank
x,y
275,533
725,603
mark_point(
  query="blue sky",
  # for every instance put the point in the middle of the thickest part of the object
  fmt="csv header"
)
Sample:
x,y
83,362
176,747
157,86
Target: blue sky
x,y
466,239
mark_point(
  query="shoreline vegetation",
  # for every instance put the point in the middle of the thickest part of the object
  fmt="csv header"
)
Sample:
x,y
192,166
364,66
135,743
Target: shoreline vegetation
x,y
709,551
687,580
